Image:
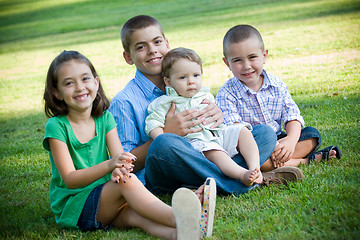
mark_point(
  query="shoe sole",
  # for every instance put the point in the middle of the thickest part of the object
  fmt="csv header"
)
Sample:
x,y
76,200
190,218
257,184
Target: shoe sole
x,y
284,174
208,209
187,209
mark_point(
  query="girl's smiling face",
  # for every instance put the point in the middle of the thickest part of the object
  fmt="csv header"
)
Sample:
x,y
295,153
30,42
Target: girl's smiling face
x,y
77,86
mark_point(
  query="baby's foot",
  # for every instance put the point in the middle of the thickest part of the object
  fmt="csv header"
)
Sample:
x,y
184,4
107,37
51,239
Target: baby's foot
x,y
260,179
200,193
250,176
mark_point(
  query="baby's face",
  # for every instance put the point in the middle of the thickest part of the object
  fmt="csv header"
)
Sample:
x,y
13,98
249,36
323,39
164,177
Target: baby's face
x,y
185,77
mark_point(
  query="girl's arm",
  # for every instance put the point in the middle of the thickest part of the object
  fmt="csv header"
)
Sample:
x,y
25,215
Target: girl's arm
x,y
120,160
75,178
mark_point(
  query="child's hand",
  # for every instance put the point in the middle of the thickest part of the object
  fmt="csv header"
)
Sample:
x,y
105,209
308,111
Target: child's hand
x,y
276,163
181,123
283,151
122,160
211,113
120,174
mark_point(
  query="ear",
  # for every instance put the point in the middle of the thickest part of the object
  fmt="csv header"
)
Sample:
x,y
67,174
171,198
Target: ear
x,y
226,62
97,81
266,52
57,94
167,43
127,58
167,81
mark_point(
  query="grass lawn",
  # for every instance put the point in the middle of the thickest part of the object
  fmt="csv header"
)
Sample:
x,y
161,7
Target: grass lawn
x,y
314,46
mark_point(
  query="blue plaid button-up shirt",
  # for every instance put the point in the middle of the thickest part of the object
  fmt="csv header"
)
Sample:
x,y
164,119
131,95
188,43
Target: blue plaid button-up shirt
x,y
271,105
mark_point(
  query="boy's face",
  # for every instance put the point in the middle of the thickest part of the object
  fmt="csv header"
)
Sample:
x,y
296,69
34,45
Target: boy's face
x,y
185,77
147,49
246,60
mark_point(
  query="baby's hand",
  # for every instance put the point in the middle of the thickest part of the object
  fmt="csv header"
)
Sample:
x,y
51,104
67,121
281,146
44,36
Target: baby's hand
x,y
211,113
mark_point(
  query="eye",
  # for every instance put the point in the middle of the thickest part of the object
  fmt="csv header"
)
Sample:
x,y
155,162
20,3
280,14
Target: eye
x,y
182,77
68,83
140,47
196,75
157,42
237,60
86,78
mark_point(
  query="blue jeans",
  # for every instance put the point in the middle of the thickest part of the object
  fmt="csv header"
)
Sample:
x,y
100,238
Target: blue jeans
x,y
172,163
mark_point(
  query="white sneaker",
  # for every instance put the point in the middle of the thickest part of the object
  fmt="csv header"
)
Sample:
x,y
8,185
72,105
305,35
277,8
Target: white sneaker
x,y
208,208
187,209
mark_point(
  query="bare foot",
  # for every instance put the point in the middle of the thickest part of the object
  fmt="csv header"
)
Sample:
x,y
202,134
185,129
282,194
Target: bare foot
x,y
200,193
319,155
260,179
250,176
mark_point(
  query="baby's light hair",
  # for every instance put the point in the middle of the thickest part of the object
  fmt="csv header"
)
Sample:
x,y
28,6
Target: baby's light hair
x,y
136,23
56,107
240,33
175,54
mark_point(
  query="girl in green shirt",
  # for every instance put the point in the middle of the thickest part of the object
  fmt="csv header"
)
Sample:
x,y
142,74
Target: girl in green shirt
x,y
89,190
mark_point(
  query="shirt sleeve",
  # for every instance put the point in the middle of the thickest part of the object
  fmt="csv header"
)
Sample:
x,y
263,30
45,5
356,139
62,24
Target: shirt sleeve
x,y
157,114
127,128
54,129
227,102
290,110
110,121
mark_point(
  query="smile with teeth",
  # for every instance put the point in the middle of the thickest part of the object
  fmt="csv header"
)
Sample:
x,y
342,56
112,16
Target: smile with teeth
x,y
82,97
248,74
154,60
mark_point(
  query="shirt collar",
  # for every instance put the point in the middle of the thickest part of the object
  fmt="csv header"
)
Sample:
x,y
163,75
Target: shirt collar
x,y
242,88
149,88
171,91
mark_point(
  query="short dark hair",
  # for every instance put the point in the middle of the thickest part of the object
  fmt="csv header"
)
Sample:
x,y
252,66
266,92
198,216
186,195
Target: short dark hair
x,y
241,33
175,54
56,107
136,23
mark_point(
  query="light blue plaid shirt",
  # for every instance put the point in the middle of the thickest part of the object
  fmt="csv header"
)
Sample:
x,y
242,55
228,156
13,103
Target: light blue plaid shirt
x,y
129,110
270,105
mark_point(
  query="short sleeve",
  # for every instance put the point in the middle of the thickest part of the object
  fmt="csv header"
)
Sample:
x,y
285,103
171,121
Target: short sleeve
x,y
54,128
110,121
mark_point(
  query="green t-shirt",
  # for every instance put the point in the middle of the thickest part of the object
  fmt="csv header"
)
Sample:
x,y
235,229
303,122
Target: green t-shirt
x,y
67,204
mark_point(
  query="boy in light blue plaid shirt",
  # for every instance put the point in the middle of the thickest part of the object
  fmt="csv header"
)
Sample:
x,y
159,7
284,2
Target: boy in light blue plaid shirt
x,y
255,96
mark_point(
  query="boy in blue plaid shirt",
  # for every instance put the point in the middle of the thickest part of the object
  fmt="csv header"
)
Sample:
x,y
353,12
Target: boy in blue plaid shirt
x,y
255,96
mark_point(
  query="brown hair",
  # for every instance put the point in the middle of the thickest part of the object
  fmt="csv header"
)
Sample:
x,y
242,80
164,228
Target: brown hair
x,y
175,54
241,33
54,106
136,23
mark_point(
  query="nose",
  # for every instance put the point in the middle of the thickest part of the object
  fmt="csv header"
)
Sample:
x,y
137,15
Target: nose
x,y
246,64
79,86
152,49
191,80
